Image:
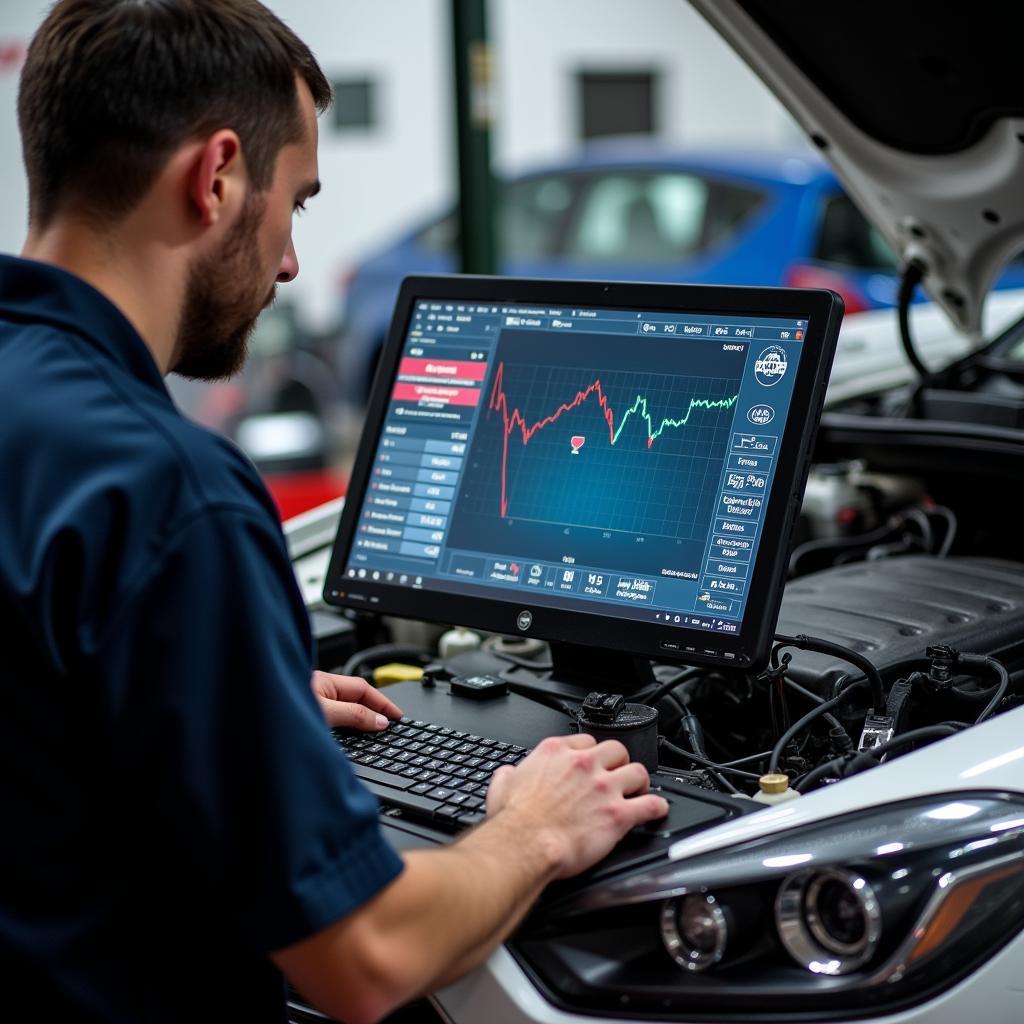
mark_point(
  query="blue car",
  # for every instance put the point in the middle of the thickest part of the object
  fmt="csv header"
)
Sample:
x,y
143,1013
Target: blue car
x,y
634,212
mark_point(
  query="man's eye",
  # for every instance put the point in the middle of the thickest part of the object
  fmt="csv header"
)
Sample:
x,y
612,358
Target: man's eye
x,y
300,208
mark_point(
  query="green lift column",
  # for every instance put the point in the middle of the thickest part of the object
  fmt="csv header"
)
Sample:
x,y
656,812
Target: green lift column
x,y
474,105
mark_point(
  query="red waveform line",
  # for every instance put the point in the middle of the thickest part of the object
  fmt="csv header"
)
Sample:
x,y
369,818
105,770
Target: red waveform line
x,y
514,419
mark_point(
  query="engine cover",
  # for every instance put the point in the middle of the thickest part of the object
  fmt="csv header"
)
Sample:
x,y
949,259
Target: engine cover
x,y
891,609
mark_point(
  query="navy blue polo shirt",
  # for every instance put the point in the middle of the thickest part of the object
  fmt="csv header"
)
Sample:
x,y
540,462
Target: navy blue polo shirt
x,y
172,805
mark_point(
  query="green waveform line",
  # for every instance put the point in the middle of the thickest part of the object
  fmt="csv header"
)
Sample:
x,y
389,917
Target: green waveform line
x,y
639,407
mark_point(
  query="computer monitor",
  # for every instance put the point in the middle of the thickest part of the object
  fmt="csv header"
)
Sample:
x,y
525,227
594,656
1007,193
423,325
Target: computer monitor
x,y
618,466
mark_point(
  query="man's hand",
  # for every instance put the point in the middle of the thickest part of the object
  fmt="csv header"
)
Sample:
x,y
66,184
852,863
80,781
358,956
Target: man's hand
x,y
576,796
352,703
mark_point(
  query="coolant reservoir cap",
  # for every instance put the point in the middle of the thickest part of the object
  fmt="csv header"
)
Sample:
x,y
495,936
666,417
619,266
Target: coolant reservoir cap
x,y
774,782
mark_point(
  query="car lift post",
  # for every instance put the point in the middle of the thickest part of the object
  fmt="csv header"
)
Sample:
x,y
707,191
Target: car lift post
x,y
474,108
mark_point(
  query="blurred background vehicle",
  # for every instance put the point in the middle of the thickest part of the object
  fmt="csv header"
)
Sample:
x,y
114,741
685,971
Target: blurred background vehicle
x,y
633,211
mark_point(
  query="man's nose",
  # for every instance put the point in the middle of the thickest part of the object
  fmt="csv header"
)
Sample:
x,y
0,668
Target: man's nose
x,y
289,268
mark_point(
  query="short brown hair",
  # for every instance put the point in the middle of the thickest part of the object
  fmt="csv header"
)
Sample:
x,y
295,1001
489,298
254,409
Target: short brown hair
x,y
111,87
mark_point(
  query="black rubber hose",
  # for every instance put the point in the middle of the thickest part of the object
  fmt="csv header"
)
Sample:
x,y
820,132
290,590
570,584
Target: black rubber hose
x,y
798,726
913,272
981,661
814,699
810,643
662,689
705,762
844,767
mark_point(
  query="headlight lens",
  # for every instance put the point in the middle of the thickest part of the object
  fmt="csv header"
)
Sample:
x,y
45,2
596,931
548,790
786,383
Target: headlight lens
x,y
695,931
871,912
829,921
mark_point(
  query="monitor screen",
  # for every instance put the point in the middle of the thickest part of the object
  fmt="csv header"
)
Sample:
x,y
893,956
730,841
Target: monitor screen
x,y
598,459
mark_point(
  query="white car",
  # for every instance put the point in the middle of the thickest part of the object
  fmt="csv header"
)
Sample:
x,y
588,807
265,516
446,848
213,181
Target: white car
x,y
892,889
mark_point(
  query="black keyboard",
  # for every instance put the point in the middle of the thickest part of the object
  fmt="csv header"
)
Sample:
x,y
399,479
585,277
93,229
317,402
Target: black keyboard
x,y
434,774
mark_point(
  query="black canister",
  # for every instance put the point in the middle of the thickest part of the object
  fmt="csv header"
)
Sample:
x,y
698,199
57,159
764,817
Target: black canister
x,y
607,716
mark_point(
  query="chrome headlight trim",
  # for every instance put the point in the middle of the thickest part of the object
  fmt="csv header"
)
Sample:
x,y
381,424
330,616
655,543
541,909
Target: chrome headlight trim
x,y
806,936
676,944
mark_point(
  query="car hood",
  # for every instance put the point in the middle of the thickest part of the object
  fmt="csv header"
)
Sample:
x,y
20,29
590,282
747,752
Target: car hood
x,y
987,757
920,112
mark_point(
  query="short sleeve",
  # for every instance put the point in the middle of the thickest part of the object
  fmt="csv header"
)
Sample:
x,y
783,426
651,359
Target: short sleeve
x,y
242,791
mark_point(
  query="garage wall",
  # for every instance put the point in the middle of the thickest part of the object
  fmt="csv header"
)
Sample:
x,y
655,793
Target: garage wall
x,y
380,179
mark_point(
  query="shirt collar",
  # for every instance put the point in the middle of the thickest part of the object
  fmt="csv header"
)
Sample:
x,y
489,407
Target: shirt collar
x,y
33,292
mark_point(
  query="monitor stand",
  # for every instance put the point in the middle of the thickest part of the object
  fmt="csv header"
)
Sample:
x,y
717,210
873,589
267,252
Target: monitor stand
x,y
577,670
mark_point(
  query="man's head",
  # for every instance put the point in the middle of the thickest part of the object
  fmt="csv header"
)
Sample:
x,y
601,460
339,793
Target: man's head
x,y
210,101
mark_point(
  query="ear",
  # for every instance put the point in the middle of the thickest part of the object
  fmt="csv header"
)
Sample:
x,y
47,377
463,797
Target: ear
x,y
217,180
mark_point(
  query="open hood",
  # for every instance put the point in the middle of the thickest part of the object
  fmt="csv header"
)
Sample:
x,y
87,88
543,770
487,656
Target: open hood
x,y
920,111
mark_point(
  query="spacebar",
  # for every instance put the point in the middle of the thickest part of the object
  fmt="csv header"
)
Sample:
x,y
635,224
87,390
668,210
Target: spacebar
x,y
382,778
413,804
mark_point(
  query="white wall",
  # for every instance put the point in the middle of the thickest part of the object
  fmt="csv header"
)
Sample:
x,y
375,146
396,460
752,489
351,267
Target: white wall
x,y
708,95
377,181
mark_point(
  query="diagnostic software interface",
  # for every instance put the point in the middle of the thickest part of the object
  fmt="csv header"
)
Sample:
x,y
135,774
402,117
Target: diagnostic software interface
x,y
595,459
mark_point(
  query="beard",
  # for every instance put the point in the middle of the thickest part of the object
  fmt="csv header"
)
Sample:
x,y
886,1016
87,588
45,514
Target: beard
x,y
223,300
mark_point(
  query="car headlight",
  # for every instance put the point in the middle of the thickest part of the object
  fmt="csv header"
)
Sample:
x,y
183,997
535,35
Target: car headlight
x,y
876,911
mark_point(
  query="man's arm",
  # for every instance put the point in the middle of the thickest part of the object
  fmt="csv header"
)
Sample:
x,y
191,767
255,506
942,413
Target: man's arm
x,y
450,907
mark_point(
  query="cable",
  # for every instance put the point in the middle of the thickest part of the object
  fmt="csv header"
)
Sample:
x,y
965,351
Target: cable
x,y
798,726
748,759
951,528
670,684
927,534
843,767
814,698
983,661
824,543
384,653
705,762
810,643
913,272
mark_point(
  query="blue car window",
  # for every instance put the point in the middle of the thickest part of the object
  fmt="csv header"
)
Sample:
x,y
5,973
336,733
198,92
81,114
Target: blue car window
x,y
632,218
531,216
845,237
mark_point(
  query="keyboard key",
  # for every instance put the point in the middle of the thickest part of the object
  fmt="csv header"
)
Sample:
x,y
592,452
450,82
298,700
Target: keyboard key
x,y
421,787
447,814
472,803
470,818
441,793
479,776
384,778
474,762
459,799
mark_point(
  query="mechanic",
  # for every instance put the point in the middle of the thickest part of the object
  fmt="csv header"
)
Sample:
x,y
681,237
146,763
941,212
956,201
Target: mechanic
x,y
178,826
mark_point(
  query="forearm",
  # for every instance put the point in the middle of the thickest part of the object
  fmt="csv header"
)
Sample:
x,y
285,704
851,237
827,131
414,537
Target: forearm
x,y
466,899
500,907
444,914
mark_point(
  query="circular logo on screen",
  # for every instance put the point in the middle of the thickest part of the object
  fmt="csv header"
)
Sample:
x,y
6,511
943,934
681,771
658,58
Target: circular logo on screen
x,y
524,620
771,366
761,415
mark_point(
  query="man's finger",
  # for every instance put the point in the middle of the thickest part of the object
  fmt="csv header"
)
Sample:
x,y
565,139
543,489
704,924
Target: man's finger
x,y
342,714
611,754
498,788
359,691
376,701
580,741
631,778
648,807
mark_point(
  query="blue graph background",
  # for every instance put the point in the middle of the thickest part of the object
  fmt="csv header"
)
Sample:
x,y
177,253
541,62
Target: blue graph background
x,y
629,506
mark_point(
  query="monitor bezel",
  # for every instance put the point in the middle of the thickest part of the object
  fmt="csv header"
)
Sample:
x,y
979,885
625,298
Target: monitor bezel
x,y
749,647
